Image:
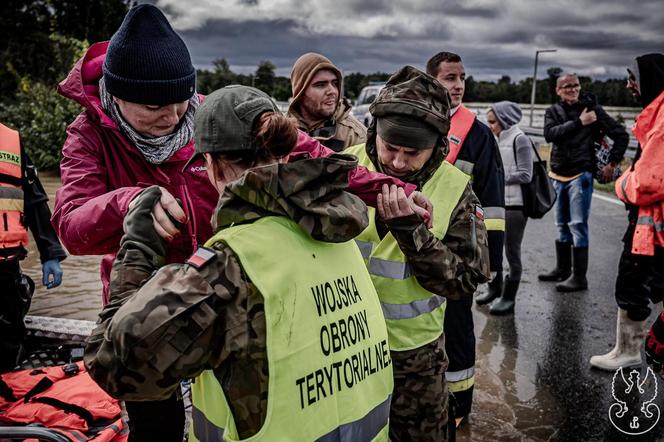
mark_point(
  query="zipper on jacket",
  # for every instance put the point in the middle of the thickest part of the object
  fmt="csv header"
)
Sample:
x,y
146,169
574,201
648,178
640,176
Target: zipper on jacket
x,y
192,217
4,218
473,235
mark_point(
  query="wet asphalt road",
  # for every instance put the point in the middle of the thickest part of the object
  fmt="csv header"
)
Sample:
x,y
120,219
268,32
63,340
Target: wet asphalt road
x,y
533,378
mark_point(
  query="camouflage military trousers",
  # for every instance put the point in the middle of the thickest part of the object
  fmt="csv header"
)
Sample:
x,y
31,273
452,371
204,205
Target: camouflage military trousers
x,y
420,399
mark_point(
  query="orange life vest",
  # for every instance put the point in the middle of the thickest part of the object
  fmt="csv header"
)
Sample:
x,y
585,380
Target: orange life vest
x,y
72,404
642,184
12,231
462,121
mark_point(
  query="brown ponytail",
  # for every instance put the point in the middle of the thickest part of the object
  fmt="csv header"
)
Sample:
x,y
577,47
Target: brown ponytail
x,y
275,135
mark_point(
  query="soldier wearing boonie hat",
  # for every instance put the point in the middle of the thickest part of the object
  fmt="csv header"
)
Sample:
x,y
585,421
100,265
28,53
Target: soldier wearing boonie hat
x,y
416,269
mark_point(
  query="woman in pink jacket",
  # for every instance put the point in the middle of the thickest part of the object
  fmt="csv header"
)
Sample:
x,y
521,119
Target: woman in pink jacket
x,y
138,92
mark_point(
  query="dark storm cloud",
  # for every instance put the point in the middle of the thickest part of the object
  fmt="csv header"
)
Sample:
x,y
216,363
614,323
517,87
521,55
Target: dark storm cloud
x,y
593,39
494,39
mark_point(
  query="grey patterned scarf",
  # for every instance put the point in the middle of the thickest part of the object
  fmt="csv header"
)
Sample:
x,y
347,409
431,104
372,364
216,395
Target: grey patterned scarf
x,y
155,149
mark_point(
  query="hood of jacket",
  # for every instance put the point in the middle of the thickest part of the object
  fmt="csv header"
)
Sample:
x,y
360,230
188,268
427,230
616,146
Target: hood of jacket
x,y
650,77
507,113
82,83
310,191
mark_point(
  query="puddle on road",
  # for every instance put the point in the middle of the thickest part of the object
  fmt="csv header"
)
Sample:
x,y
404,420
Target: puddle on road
x,y
508,403
79,296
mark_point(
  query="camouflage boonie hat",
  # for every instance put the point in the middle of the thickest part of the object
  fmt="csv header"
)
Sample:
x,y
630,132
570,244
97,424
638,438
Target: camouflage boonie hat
x,y
414,93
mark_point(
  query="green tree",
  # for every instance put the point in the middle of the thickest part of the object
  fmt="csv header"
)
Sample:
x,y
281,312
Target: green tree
x,y
220,76
41,116
264,77
552,76
28,50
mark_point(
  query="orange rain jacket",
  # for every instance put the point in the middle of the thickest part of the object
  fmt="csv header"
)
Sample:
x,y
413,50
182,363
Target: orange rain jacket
x,y
643,183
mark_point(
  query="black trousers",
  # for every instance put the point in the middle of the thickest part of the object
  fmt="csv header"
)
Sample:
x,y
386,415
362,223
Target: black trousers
x,y
460,347
156,420
16,291
640,280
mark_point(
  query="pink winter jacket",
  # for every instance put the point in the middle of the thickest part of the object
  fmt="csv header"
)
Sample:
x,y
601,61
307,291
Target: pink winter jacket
x,y
102,172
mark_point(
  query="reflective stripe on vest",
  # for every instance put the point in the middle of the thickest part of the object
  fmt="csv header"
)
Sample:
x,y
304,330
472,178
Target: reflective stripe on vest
x,y
650,221
204,430
11,199
10,152
460,125
322,315
460,380
365,247
389,269
12,231
364,429
414,316
465,167
494,218
412,309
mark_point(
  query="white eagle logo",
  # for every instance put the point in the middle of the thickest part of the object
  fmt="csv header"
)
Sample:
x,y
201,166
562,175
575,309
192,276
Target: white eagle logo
x,y
625,414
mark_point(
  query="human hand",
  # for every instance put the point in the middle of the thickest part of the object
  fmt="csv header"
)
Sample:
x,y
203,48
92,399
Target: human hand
x,y
142,226
587,117
607,172
392,203
165,206
51,273
422,206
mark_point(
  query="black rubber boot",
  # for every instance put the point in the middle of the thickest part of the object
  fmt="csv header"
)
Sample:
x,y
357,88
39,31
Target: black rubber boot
x,y
495,289
505,305
563,263
577,281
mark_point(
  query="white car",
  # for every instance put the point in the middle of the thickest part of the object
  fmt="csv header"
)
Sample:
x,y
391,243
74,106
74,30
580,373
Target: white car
x,y
367,96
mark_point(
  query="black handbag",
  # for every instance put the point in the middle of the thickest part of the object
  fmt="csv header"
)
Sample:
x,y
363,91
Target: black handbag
x,y
539,195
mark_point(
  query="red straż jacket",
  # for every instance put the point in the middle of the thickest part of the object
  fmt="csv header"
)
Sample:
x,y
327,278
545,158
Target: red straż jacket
x,y
102,172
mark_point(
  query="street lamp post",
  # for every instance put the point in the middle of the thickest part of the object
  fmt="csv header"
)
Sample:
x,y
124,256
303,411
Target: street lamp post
x,y
532,95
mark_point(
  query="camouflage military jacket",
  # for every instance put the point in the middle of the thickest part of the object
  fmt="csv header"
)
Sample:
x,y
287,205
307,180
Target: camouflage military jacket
x,y
161,328
451,267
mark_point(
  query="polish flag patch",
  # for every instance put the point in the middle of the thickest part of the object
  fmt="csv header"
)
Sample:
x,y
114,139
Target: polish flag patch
x,y
479,213
201,257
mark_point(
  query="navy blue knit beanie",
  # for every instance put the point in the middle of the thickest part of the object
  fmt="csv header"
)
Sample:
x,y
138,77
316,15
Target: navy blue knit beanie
x,y
147,62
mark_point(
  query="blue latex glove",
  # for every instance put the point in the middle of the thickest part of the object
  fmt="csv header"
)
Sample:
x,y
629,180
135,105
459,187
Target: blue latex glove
x,y
51,273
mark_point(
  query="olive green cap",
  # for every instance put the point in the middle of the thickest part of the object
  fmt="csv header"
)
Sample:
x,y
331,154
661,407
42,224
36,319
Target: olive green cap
x,y
224,122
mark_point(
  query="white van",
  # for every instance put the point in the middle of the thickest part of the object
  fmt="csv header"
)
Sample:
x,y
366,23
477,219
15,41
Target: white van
x,y
367,96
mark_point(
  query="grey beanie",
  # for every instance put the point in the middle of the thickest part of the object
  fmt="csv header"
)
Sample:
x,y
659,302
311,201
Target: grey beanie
x,y
507,113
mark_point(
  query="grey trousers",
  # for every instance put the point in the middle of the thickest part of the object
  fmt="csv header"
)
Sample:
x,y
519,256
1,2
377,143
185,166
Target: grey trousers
x,y
515,225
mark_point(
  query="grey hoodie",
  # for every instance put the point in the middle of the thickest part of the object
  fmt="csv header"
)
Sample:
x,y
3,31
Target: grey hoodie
x,y
519,169
507,113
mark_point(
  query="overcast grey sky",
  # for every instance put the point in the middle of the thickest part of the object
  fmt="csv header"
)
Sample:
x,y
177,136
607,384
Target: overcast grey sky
x,y
494,38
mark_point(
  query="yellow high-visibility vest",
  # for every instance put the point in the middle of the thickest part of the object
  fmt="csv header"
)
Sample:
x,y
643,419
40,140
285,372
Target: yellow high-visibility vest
x,y
330,372
414,315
